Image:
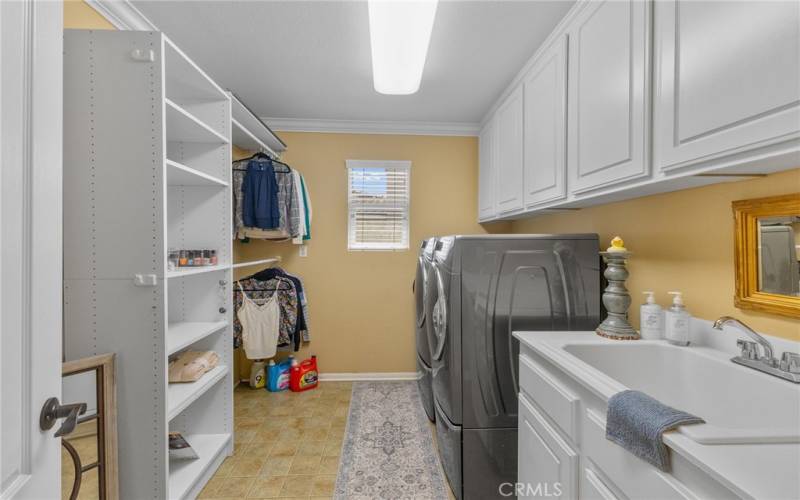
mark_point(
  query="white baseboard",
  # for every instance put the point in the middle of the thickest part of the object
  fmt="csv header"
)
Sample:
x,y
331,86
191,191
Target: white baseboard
x,y
354,377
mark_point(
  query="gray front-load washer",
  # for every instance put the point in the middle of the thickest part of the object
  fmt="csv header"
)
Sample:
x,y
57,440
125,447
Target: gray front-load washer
x,y
486,287
420,287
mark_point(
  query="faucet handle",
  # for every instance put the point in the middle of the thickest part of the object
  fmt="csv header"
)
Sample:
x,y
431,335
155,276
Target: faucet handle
x,y
790,362
749,349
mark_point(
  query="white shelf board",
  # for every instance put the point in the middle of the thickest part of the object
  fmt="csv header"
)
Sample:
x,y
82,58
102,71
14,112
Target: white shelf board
x,y
185,333
273,260
245,139
245,119
184,474
183,126
181,395
188,271
185,80
181,175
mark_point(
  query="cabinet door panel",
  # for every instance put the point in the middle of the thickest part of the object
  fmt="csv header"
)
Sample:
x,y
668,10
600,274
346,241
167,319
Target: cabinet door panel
x,y
545,98
607,100
509,171
486,151
728,78
546,464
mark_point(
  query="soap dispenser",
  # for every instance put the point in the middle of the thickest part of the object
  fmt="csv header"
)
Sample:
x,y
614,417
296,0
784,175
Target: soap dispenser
x,y
677,321
651,320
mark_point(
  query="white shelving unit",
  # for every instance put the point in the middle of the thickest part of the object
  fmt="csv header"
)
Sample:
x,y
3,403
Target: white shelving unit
x,y
147,169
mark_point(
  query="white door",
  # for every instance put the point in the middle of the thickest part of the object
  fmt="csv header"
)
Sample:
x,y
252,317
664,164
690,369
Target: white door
x,y
486,152
727,79
545,127
508,169
608,94
30,245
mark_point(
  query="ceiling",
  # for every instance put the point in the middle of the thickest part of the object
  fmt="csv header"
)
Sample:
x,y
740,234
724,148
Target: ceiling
x,y
310,60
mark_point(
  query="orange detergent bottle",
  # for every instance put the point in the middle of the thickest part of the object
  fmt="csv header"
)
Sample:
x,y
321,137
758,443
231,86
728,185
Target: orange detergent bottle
x,y
304,375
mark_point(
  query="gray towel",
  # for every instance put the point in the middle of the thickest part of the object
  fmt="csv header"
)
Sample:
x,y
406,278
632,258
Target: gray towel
x,y
637,422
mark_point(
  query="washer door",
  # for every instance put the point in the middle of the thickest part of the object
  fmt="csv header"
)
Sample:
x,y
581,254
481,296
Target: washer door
x,y
420,292
439,318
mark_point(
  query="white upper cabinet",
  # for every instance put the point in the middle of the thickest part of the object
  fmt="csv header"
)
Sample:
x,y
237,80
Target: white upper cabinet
x,y
727,79
486,174
608,94
508,169
545,119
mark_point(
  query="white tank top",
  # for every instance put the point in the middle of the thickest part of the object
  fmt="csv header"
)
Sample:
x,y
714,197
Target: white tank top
x,y
260,324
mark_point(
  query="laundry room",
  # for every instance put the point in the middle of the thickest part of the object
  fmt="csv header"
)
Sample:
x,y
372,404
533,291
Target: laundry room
x,y
400,249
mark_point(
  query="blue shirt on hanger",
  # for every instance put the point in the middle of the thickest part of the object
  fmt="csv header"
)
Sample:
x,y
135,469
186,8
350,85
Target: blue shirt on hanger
x,y
260,196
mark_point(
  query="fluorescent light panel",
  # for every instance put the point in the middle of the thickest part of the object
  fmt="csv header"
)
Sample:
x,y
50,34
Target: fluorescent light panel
x,y
400,32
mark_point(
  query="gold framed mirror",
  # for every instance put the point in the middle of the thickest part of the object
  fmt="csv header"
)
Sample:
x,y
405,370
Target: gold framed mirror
x,y
767,249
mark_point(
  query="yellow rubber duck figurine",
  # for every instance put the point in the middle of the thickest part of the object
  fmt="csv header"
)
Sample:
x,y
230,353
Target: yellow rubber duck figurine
x,y
617,245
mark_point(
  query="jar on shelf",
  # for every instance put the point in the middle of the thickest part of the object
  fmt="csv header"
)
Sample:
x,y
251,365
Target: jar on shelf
x,y
173,260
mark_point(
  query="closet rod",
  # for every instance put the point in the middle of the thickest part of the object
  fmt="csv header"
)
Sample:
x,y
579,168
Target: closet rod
x,y
272,260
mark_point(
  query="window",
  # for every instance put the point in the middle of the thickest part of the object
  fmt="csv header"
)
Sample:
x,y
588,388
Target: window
x,y
378,204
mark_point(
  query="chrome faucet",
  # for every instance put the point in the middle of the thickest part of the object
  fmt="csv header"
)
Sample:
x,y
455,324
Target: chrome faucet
x,y
787,368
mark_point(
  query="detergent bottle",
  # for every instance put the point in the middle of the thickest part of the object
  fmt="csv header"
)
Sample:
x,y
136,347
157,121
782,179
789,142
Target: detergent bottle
x,y
278,375
304,375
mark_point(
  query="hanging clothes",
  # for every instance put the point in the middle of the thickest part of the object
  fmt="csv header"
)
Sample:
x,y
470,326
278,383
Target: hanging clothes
x,y
260,325
287,301
240,231
301,328
304,205
287,202
260,196
306,209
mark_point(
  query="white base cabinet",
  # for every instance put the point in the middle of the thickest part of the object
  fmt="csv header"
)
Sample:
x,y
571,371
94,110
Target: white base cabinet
x,y
656,96
562,444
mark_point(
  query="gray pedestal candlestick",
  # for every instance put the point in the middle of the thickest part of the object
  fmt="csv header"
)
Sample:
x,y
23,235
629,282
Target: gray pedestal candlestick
x,y
616,299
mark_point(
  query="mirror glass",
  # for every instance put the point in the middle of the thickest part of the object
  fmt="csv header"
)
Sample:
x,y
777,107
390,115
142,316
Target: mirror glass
x,y
778,250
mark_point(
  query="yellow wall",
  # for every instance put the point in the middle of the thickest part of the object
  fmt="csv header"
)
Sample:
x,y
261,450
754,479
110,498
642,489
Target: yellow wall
x,y
361,306
680,241
78,15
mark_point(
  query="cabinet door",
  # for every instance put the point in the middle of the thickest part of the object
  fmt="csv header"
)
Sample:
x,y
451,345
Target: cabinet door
x,y
486,174
727,79
509,175
608,94
547,466
544,128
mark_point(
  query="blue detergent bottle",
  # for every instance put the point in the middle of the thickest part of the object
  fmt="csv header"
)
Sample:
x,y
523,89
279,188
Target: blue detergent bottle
x,y
278,375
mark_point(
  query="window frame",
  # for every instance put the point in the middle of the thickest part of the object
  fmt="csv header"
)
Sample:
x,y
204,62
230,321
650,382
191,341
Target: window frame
x,y
352,246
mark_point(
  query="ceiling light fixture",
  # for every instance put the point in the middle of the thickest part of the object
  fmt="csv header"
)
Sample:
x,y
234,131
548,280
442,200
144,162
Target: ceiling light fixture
x,y
400,32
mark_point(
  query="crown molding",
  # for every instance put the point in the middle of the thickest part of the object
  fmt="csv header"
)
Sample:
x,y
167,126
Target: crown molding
x,y
122,14
372,127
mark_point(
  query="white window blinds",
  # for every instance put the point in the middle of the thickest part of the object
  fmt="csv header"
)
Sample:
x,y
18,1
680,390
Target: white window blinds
x,y
378,199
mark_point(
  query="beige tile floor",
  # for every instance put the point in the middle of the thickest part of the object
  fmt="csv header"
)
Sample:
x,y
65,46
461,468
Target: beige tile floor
x,y
286,445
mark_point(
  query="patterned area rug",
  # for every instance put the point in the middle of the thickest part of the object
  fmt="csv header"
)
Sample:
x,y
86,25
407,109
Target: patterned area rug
x,y
388,446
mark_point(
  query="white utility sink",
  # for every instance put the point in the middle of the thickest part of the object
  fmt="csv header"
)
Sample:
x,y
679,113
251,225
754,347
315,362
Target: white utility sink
x,y
740,405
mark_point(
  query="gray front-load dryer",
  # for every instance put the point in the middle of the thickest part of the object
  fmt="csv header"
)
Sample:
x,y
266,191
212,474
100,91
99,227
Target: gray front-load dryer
x,y
486,287
422,324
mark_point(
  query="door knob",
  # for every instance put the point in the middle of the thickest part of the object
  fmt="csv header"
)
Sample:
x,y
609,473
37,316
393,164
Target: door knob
x,y
54,410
